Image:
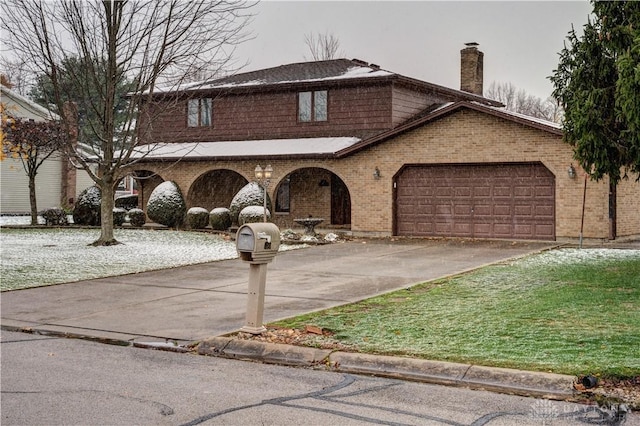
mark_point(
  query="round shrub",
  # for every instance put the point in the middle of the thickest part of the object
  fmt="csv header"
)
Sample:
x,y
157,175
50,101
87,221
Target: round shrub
x,y
137,217
127,202
252,214
197,218
119,216
220,219
87,209
166,205
54,216
251,194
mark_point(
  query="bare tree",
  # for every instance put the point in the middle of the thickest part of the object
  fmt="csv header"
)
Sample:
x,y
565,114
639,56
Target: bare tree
x,y
323,46
518,100
152,43
14,75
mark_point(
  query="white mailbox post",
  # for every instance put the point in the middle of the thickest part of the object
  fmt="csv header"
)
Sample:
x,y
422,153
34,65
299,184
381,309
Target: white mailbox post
x,y
257,243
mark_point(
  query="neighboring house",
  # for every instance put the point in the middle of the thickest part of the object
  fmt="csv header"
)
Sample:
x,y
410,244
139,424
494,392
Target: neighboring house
x,y
57,183
376,153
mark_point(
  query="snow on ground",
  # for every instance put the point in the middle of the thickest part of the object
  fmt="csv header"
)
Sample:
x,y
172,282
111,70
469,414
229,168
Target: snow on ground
x,y
36,257
576,256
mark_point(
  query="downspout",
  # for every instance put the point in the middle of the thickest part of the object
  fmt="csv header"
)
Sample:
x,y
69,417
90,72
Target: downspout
x,y
612,210
584,199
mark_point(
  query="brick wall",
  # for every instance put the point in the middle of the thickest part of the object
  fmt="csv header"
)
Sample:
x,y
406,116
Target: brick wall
x,y
353,111
465,136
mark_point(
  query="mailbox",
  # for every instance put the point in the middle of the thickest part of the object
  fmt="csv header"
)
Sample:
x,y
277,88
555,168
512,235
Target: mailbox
x,y
258,242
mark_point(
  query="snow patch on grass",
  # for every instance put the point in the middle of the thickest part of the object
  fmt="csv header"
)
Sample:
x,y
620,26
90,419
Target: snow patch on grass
x,y
575,256
37,257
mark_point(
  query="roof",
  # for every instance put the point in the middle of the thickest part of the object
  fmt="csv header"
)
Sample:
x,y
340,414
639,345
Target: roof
x,y
303,72
302,147
447,109
335,71
21,107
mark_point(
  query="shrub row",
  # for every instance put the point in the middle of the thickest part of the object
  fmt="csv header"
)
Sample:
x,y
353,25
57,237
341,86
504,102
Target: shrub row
x,y
166,206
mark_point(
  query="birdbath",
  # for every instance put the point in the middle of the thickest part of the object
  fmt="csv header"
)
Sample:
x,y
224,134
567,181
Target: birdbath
x,y
309,224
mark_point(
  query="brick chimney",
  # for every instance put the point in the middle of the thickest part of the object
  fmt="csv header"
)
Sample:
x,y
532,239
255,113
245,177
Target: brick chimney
x,y
471,60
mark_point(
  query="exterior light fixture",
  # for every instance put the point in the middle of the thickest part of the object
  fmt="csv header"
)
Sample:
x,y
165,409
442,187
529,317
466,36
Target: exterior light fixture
x,y
263,177
376,173
571,171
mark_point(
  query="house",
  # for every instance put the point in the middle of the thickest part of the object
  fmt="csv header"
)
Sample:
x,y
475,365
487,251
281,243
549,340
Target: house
x,y
376,153
57,182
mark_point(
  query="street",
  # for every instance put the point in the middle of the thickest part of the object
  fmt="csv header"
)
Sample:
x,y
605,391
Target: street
x,y
48,380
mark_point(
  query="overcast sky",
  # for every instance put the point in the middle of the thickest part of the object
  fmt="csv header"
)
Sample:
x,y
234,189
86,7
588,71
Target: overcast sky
x,y
422,39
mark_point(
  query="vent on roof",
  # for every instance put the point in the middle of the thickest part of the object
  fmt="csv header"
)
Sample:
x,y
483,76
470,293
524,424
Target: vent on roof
x,y
375,66
360,62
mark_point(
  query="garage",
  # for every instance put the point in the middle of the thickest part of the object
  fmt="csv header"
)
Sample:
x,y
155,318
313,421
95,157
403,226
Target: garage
x,y
512,200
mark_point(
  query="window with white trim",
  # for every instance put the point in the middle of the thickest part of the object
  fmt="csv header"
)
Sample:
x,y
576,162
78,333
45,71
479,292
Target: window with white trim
x,y
199,112
312,106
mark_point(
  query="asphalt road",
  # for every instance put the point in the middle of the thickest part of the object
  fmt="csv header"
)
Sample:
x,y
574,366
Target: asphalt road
x,y
51,381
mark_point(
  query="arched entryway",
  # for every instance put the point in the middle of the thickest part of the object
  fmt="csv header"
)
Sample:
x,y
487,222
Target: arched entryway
x,y
314,192
215,188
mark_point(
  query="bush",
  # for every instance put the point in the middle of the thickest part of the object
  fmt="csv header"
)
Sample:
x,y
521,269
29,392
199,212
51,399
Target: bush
x,y
127,202
166,205
220,219
119,216
251,194
87,209
197,218
252,214
54,216
137,217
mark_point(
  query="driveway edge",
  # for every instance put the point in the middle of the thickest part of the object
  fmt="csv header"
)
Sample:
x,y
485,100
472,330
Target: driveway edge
x,y
502,380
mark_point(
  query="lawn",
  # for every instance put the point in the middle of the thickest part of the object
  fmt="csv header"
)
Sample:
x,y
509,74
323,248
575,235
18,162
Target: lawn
x,y
45,256
568,311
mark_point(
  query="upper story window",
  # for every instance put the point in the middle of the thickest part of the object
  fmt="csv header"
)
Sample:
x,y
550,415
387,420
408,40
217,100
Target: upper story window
x,y
199,112
312,106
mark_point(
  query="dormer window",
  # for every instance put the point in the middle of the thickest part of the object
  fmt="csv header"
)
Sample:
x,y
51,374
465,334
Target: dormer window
x,y
199,112
312,106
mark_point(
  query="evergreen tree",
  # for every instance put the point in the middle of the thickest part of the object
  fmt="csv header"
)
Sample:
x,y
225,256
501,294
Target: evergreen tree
x,y
597,83
74,78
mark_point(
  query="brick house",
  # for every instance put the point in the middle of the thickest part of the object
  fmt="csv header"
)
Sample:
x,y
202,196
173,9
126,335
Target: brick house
x,y
376,153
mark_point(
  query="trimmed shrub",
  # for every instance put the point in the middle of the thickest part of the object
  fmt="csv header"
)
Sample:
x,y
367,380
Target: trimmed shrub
x,y
119,216
251,194
137,217
54,216
197,218
166,205
127,202
220,219
87,209
252,214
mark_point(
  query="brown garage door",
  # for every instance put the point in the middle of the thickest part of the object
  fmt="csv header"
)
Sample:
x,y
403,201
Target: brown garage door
x,y
477,201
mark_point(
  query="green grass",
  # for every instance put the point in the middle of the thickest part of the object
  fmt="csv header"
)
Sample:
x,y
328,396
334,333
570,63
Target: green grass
x,y
566,311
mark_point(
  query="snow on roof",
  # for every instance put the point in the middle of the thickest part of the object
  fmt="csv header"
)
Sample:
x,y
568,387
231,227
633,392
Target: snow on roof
x,y
355,72
528,118
304,72
22,107
267,147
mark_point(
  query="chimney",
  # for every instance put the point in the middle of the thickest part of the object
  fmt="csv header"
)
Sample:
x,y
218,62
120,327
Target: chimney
x,y
471,60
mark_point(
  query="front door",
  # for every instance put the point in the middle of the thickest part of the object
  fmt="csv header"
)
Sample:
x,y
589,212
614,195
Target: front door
x,y
340,202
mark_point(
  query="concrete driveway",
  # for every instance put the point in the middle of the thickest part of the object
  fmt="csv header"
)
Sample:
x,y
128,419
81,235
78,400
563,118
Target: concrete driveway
x,y
196,302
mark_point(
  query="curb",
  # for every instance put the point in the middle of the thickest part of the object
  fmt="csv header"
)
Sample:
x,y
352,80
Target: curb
x,y
502,380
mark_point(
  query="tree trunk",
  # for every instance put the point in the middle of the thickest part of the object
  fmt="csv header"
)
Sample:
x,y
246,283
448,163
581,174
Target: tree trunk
x,y
106,214
32,200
